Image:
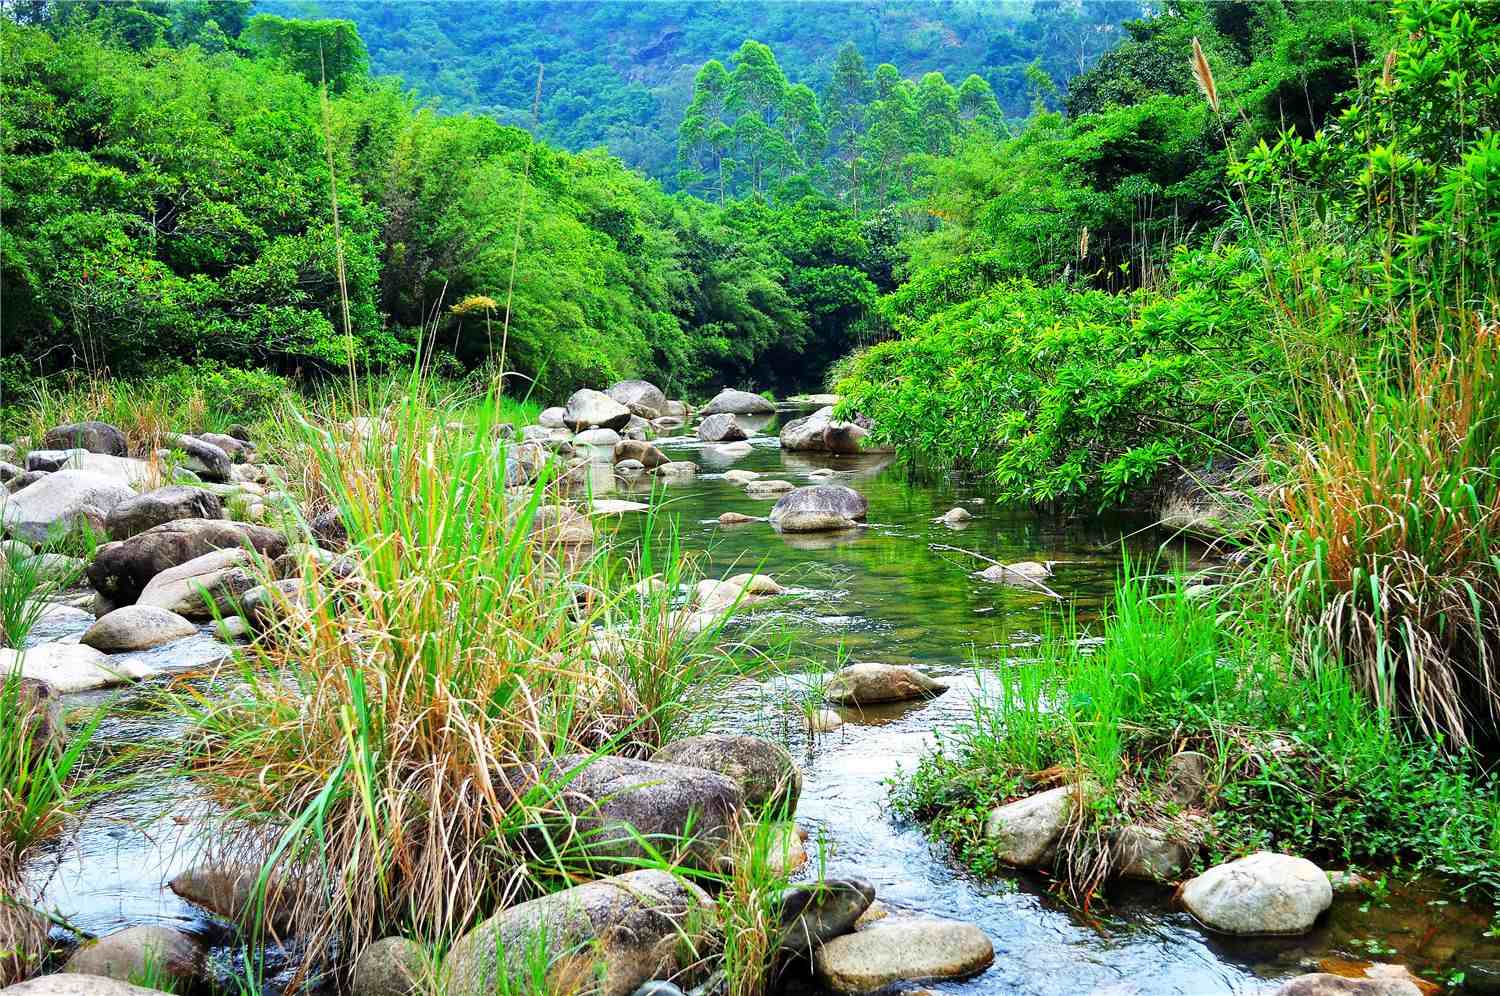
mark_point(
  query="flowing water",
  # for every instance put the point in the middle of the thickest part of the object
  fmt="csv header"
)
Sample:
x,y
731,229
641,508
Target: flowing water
x,y
878,593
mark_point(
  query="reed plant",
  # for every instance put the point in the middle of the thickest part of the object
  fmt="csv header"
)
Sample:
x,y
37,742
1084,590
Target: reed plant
x,y
387,747
1387,533
43,782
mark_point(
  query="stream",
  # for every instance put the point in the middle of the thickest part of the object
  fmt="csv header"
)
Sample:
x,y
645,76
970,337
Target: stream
x,y
878,593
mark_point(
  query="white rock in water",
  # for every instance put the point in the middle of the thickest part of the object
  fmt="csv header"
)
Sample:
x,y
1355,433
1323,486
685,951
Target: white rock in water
x,y
1265,893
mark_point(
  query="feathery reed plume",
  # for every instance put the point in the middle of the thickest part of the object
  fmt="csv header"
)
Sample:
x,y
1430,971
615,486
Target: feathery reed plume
x,y
1205,76
1388,73
1083,243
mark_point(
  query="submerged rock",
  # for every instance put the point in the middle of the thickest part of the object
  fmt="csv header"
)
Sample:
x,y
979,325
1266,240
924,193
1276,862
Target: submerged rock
x,y
1023,573
167,954
955,517
813,915
1265,893
735,519
872,683
606,937
136,627
229,890
765,772
902,951
734,402
773,488
637,449
1323,984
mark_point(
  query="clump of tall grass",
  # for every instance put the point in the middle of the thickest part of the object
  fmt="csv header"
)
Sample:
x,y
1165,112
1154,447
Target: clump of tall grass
x,y
24,588
41,784
1300,760
1388,528
385,747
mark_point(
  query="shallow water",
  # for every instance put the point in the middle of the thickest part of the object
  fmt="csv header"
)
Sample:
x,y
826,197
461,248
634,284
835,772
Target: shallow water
x,y
878,593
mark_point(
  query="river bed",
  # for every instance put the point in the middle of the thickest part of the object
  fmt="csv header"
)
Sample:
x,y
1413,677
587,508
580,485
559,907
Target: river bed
x,y
879,593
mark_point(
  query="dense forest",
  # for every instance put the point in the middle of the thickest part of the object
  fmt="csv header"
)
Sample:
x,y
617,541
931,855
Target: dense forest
x,y
621,75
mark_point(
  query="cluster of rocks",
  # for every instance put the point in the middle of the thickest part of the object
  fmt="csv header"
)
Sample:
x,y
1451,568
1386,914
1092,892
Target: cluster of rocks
x,y
629,930
176,556
613,427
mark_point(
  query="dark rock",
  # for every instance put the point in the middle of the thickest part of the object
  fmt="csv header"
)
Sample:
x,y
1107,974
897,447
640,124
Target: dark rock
x,y
605,938
817,508
48,461
765,772
175,501
96,437
328,529
645,453
1185,780
613,803
122,570
201,457
812,915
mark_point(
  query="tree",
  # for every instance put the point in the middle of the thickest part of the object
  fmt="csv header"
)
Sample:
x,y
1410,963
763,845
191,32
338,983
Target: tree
x,y
319,50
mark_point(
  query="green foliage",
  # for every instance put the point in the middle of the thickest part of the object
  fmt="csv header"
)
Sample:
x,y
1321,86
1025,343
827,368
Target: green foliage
x,y
319,51
1076,398
1301,762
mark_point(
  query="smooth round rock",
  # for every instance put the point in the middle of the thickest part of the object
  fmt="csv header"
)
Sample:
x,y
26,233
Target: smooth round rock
x,y
871,683
902,951
135,951
391,966
1265,893
136,627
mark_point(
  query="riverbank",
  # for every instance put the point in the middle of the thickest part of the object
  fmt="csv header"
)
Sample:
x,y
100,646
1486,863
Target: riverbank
x,y
884,590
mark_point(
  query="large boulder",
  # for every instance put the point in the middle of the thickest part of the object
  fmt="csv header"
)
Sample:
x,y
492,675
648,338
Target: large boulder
x,y
637,449
902,950
820,432
588,409
1265,893
214,582
765,772
735,402
61,503
618,810
121,571
813,915
721,428
642,397
872,683
1151,853
96,437
202,458
132,953
818,508
136,627
606,938
1025,832
138,513
125,470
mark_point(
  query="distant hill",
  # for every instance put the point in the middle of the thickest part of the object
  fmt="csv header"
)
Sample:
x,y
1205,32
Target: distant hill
x,y
619,74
